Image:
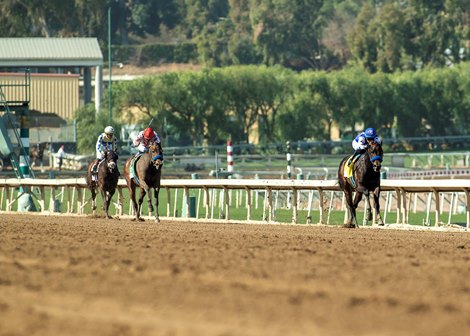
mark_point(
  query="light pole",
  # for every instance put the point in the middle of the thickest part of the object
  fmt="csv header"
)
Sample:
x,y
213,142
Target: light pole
x,y
110,66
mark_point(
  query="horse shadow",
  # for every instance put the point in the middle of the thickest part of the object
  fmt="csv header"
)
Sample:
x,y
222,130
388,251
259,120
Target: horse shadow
x,y
364,180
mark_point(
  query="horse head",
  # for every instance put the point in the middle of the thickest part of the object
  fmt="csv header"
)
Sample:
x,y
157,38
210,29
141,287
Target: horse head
x,y
111,160
156,153
376,155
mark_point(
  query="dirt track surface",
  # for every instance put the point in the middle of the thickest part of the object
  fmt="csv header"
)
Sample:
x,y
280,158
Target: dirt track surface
x,y
85,276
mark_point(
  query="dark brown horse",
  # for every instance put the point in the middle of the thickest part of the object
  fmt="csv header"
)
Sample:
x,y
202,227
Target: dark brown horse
x,y
146,175
36,152
108,176
365,180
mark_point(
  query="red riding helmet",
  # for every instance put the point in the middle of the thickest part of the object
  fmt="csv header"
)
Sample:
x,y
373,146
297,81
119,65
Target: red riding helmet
x,y
148,133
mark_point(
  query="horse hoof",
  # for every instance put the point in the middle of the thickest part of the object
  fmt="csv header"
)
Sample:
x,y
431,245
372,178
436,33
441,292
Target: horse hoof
x,y
141,219
157,220
349,226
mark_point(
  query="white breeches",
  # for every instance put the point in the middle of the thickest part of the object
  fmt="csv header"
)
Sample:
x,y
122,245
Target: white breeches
x,y
142,148
357,145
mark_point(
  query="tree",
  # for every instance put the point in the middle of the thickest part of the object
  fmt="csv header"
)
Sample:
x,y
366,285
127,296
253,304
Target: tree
x,y
241,89
274,86
147,16
89,126
288,32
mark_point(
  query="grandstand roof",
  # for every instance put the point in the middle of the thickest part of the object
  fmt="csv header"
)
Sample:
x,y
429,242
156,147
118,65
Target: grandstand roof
x,y
50,52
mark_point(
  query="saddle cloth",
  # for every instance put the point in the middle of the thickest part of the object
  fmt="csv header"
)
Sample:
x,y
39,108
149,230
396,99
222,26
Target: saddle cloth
x,y
349,168
97,166
132,167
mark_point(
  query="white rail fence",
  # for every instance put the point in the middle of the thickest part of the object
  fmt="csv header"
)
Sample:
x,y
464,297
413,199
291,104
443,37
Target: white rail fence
x,y
321,195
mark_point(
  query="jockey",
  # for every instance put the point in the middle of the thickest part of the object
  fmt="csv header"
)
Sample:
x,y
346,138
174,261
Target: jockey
x,y
362,141
106,141
145,138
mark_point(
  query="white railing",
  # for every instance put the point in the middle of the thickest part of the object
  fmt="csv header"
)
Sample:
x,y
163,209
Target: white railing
x,y
400,190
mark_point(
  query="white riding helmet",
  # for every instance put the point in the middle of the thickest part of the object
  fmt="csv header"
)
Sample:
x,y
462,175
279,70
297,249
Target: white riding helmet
x,y
109,130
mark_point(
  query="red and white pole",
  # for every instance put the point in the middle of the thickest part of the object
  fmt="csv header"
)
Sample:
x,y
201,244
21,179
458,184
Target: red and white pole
x,y
229,156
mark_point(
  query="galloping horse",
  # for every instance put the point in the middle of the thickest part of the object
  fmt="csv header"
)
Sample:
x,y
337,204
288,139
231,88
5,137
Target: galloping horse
x,y
365,178
146,174
108,176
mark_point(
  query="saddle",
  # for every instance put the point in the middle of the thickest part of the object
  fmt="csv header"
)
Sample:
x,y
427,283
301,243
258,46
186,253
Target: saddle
x,y
349,168
94,172
132,167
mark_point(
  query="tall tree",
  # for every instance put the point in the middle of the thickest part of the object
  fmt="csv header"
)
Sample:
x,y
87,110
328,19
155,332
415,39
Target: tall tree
x,y
288,32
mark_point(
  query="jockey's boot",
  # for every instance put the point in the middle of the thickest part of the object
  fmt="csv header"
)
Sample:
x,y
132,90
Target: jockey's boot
x,y
94,173
354,157
351,158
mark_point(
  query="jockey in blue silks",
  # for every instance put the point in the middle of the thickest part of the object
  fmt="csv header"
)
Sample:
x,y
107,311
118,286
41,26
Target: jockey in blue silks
x,y
105,141
362,141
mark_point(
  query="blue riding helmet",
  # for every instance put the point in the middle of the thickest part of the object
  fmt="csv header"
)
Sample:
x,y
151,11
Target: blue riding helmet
x,y
370,133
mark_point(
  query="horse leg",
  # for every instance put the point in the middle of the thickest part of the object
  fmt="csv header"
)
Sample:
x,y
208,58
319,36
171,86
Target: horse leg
x,y
134,203
363,190
357,199
110,197
351,210
143,192
155,193
93,200
377,216
149,202
107,195
368,215
104,196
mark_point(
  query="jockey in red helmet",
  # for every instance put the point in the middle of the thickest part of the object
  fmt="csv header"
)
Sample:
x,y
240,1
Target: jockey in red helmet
x,y
145,138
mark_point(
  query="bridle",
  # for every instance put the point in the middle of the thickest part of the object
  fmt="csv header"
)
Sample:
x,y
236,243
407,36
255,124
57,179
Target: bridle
x,y
375,155
156,155
110,162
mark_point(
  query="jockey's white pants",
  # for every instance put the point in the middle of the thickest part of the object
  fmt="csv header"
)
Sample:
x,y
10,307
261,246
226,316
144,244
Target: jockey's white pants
x,y
142,148
99,155
356,145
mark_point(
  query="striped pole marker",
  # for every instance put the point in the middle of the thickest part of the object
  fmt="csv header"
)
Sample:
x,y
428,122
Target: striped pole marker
x,y
24,155
289,172
229,156
25,201
289,162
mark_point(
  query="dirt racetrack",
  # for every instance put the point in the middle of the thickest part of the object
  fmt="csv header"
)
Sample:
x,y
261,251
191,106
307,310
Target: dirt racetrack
x,y
85,276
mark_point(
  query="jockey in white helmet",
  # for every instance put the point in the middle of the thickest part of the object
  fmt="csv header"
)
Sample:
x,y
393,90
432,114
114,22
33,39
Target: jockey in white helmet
x,y
105,141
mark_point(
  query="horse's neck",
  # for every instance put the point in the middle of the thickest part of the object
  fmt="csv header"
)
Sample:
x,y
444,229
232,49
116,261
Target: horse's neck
x,y
367,156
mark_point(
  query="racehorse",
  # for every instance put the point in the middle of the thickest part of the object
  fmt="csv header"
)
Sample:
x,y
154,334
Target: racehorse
x,y
37,153
107,180
364,180
145,174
